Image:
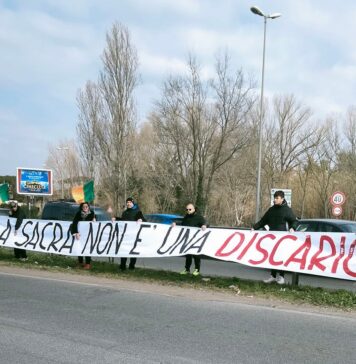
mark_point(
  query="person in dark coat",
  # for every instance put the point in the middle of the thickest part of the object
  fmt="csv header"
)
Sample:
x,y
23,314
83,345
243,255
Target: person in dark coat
x,y
192,218
279,217
132,213
17,212
84,214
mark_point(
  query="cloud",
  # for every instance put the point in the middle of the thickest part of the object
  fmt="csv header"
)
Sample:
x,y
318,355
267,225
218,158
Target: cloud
x,y
50,48
159,64
23,141
41,48
181,7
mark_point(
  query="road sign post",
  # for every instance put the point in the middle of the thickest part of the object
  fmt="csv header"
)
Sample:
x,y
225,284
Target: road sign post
x,y
337,199
336,210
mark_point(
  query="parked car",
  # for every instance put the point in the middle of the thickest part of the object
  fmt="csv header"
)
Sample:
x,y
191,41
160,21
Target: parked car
x,y
66,210
326,225
164,218
4,211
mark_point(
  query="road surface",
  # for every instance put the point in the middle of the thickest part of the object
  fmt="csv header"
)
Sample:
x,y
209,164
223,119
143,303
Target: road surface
x,y
48,317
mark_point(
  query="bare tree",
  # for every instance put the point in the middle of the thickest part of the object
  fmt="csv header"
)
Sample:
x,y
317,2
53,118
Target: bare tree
x,y
64,161
107,117
153,167
325,167
202,125
90,106
289,137
347,164
118,80
232,196
350,129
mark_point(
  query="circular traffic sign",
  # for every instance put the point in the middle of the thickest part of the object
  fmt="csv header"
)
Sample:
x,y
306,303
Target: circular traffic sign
x,y
336,210
337,198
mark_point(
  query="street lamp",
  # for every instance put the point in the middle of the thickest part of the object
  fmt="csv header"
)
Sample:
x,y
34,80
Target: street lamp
x,y
259,12
62,148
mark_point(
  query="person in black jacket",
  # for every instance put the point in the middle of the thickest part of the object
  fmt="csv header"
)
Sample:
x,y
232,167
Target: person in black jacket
x,y
132,213
192,218
84,214
279,217
16,212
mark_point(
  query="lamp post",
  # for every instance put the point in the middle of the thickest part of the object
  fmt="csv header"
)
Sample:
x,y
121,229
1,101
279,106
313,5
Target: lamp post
x,y
62,148
257,11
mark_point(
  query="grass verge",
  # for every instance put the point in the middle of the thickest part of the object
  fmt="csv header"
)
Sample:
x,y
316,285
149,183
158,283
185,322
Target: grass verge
x,y
340,299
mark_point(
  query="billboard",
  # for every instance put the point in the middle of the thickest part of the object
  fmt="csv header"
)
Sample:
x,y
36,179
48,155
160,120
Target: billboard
x,y
31,181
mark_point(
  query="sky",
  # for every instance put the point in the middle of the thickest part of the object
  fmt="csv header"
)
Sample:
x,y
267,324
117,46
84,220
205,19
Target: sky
x,y
50,48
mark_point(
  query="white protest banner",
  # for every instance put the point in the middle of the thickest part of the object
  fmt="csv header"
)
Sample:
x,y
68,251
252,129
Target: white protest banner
x,y
324,254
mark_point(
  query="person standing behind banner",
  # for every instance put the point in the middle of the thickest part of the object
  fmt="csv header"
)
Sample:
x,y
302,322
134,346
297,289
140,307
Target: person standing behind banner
x,y
131,213
192,218
19,215
279,217
84,214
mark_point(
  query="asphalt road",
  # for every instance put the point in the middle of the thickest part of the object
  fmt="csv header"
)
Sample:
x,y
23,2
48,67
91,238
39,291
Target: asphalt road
x,y
52,320
211,267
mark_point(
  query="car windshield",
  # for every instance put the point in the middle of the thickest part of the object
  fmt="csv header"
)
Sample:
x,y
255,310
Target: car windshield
x,y
101,215
4,212
307,226
349,227
326,226
66,212
164,218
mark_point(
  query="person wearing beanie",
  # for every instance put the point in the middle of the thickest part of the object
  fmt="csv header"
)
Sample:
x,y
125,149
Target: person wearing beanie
x,y
131,213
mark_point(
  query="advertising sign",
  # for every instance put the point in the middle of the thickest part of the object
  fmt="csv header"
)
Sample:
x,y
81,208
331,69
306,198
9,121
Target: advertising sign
x,y
31,181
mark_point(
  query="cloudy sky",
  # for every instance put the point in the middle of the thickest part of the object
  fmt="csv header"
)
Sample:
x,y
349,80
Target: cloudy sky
x,y
50,48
